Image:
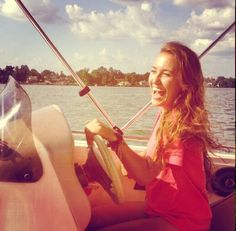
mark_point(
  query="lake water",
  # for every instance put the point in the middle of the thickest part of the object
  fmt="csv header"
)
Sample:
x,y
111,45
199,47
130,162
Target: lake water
x,y
122,103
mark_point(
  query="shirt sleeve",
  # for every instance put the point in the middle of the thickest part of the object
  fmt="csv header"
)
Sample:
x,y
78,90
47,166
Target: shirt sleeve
x,y
174,153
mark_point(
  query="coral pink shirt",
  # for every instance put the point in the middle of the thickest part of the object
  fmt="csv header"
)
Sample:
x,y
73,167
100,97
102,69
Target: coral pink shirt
x,y
178,194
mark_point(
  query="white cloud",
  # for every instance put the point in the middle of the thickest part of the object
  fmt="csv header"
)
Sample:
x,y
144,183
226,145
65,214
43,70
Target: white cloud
x,y
135,21
42,10
205,3
126,2
202,28
213,19
207,24
200,44
146,6
10,9
199,3
104,57
225,47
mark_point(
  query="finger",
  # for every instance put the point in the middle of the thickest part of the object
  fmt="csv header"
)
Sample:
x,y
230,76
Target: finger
x,y
89,137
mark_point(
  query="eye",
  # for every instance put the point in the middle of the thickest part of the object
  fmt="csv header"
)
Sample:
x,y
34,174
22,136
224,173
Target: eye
x,y
153,71
166,74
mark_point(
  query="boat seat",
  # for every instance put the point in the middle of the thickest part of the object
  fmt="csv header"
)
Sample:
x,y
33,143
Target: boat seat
x,y
223,214
56,201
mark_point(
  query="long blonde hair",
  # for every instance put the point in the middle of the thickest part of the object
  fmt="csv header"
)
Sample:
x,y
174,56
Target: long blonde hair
x,y
188,118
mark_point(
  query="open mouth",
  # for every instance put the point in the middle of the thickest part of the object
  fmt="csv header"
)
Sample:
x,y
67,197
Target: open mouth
x,y
158,92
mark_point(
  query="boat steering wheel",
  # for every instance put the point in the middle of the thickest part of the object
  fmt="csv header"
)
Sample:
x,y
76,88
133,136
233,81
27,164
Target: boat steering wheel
x,y
104,157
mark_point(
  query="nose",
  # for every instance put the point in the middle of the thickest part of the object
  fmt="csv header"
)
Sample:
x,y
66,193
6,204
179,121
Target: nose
x,y
154,78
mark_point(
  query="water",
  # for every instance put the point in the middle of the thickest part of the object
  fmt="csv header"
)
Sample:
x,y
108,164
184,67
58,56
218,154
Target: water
x,y
122,103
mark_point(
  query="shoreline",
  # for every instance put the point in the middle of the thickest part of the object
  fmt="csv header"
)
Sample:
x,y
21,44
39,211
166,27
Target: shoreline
x,y
62,84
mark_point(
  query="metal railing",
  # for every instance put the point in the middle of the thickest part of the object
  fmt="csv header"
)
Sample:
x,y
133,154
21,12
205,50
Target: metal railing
x,y
64,62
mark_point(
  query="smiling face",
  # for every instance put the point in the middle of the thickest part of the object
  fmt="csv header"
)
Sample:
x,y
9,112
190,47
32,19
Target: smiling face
x,y
165,81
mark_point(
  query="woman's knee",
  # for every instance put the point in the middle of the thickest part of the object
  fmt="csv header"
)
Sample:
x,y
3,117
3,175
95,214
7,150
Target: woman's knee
x,y
111,214
150,224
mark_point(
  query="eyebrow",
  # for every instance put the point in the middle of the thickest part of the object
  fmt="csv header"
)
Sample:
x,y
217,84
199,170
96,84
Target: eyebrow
x,y
163,70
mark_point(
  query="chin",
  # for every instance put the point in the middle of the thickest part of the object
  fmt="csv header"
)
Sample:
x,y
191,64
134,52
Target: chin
x,y
161,104
157,103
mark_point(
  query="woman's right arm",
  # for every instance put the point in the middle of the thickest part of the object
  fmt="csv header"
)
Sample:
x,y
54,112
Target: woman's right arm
x,y
137,166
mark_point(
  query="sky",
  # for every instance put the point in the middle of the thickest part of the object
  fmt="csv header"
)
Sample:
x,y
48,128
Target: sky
x,y
122,34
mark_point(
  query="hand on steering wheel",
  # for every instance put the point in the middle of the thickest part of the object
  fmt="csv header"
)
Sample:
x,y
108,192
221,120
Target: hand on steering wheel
x,y
101,168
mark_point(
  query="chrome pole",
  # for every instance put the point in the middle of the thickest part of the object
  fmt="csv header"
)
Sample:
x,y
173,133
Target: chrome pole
x,y
217,40
63,61
138,115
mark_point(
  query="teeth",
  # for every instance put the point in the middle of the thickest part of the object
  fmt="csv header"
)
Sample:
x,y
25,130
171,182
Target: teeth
x,y
156,90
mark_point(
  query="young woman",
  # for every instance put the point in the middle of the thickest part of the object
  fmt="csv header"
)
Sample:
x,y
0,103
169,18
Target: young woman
x,y
175,168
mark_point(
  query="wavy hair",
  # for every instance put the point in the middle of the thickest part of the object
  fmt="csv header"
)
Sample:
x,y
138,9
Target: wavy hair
x,y
188,118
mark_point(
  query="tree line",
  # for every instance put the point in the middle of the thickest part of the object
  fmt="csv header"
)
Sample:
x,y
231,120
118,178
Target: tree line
x,y
220,81
97,77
